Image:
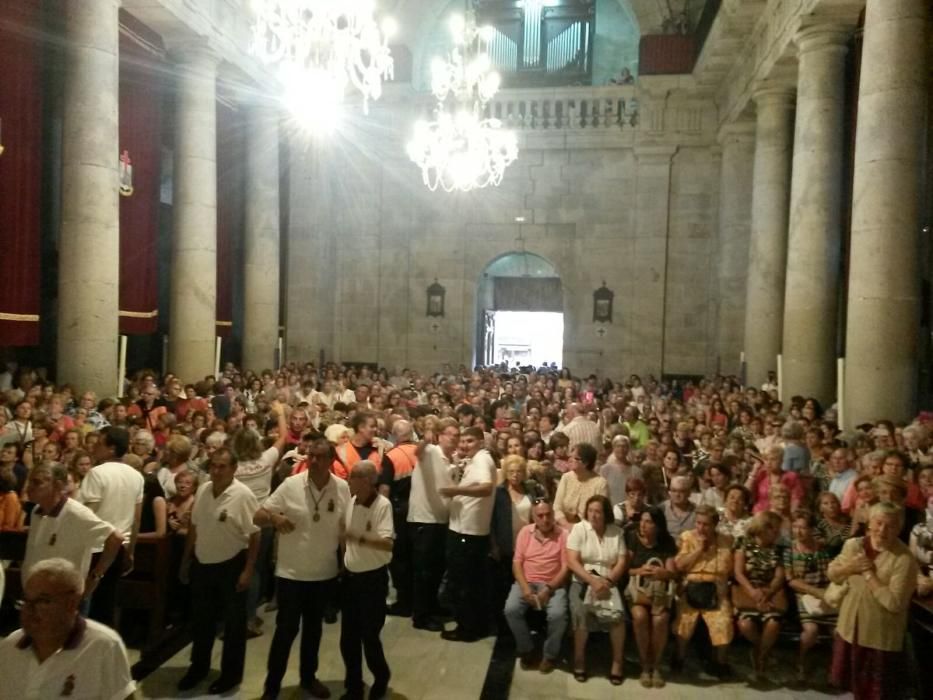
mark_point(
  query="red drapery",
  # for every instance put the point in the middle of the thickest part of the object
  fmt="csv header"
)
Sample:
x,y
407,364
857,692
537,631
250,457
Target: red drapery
x,y
230,170
20,171
140,136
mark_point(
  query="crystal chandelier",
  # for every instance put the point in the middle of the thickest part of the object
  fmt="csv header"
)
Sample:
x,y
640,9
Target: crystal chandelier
x,y
324,46
463,149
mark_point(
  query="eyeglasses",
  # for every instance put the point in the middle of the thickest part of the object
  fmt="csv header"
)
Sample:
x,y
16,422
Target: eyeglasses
x,y
41,602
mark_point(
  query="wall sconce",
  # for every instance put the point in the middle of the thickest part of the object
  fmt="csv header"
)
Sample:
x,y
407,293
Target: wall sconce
x,y
602,304
436,295
126,175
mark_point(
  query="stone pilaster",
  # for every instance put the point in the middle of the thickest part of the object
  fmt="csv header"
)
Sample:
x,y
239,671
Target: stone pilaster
x,y
735,212
815,236
194,209
652,224
261,254
767,254
89,247
884,277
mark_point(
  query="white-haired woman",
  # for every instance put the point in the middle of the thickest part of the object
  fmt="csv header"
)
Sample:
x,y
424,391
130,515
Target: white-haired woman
x,y
881,574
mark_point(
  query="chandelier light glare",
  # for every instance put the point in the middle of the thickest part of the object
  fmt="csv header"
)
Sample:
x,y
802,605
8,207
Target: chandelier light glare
x,y
321,47
463,149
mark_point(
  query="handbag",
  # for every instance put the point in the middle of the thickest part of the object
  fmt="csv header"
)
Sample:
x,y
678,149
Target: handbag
x,y
608,610
741,600
649,592
702,595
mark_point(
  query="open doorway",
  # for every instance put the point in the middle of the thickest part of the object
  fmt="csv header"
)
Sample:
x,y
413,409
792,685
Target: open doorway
x,y
528,337
520,312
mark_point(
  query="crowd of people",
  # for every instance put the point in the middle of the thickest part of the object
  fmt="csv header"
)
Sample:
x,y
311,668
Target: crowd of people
x,y
503,500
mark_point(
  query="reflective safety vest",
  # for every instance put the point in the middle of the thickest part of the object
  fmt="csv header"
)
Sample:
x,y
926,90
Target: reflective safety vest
x,y
403,460
347,456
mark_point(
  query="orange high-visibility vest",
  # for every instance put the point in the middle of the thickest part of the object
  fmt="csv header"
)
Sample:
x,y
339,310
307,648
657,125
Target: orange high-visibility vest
x,y
403,460
347,456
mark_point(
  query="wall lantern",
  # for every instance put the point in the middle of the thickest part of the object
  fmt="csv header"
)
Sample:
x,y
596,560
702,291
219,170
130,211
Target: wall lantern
x,y
602,304
436,299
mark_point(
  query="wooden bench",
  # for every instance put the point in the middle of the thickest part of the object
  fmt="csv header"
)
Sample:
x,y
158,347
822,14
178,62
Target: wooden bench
x,y
146,587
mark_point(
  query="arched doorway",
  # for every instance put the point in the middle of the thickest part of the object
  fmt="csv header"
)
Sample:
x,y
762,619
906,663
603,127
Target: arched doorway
x,y
520,312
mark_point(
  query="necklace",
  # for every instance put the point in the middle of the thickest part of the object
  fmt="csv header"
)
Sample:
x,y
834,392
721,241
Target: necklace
x,y
317,502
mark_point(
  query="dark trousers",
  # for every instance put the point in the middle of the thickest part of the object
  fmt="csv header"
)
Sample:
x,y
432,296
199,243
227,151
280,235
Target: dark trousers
x,y
428,542
214,598
104,599
400,566
363,614
466,573
301,604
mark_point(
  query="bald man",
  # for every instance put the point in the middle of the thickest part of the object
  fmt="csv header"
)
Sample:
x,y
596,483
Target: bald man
x,y
398,464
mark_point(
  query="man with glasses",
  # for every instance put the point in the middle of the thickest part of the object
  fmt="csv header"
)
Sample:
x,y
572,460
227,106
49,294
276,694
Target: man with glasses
x,y
679,510
428,515
58,653
468,538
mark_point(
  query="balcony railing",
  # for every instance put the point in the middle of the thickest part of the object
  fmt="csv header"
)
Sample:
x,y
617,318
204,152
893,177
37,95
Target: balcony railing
x,y
570,108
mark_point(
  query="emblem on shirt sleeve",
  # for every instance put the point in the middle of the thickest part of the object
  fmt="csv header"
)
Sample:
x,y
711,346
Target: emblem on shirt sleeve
x,y
223,516
68,688
52,539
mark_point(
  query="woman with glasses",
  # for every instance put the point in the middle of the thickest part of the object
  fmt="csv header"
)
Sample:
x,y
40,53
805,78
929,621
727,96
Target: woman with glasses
x,y
578,485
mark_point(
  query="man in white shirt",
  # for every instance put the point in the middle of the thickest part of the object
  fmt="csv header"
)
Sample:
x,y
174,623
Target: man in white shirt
x,y
114,491
468,538
428,514
369,539
308,512
58,653
840,472
63,528
225,544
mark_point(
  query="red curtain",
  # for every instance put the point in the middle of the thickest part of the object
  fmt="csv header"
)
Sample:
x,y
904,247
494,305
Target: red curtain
x,y
231,165
666,54
141,136
20,171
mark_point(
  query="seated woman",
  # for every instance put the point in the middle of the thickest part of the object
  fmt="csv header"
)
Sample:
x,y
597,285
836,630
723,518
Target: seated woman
x,y
628,513
705,560
759,597
577,486
596,556
651,551
734,517
881,574
805,565
833,527
769,473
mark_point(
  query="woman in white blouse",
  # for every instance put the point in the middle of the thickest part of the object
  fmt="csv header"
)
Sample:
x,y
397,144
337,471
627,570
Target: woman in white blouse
x,y
596,555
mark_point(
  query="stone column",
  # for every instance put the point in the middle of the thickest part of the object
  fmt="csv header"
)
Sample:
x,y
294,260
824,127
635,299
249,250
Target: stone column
x,y
735,215
884,278
194,212
261,244
89,246
652,224
767,254
811,300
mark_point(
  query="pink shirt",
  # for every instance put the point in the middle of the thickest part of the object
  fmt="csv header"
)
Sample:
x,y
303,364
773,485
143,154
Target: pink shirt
x,y
761,490
541,558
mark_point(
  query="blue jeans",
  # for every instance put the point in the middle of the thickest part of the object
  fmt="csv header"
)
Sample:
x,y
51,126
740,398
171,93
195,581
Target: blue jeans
x,y
516,608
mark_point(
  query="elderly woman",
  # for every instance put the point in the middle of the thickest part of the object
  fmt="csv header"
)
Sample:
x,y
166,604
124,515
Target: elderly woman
x,y
805,565
705,560
833,526
628,512
596,555
577,486
511,512
759,596
881,574
651,551
734,516
768,473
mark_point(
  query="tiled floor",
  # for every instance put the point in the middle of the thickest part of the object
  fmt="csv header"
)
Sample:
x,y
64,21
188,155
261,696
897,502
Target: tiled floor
x,y
426,668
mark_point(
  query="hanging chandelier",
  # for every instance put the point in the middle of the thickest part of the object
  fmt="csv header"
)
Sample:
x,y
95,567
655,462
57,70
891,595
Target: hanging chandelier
x,y
463,148
322,47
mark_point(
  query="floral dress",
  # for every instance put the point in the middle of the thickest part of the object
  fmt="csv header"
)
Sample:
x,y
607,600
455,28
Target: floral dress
x,y
760,564
811,568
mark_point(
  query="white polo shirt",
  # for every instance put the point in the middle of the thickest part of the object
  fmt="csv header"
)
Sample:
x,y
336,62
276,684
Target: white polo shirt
x,y
224,523
92,665
472,515
309,552
425,504
372,523
70,531
257,473
117,488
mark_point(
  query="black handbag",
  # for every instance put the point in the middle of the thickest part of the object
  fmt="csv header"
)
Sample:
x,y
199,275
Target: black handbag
x,y
702,595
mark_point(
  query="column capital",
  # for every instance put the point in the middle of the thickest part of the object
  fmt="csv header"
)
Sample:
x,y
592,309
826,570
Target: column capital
x,y
765,93
824,36
655,154
736,131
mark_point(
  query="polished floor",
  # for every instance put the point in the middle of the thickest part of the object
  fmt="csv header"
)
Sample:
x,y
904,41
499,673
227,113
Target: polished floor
x,y
426,668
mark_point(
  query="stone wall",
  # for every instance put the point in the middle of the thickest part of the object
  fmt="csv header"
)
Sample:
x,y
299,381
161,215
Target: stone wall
x,y
367,238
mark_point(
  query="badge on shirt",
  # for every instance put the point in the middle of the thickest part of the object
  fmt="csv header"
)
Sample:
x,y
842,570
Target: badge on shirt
x,y
223,516
369,526
330,506
69,688
53,538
